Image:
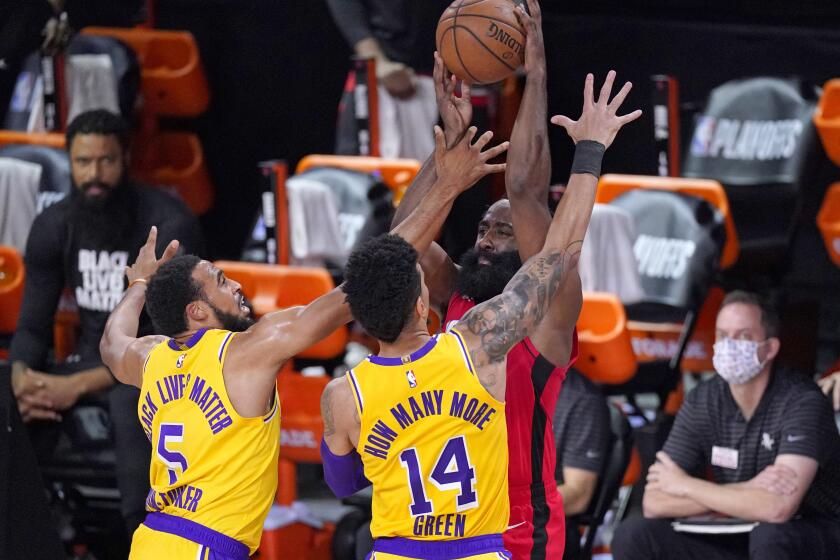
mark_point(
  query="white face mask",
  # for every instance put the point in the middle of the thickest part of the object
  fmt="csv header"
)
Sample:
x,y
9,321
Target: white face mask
x,y
736,361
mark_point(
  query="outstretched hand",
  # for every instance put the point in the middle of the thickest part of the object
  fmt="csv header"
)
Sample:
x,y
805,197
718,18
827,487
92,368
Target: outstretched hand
x,y
534,46
147,263
455,112
465,163
598,120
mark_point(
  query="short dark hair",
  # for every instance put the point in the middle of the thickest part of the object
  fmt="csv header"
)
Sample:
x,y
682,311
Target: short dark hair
x,y
382,285
169,292
769,315
98,121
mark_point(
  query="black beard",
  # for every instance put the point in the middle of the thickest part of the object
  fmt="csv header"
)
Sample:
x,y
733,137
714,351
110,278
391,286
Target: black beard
x,y
106,221
230,321
482,282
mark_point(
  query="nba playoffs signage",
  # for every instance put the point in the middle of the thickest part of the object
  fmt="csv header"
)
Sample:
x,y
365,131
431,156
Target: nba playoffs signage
x,y
751,133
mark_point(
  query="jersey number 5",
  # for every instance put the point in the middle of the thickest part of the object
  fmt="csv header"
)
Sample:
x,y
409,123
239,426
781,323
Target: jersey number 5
x,y
171,433
452,471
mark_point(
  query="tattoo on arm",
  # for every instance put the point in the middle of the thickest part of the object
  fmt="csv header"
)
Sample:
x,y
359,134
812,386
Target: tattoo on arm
x,y
326,411
506,319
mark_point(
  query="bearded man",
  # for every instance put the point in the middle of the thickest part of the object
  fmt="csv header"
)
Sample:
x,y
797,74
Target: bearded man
x,y
84,243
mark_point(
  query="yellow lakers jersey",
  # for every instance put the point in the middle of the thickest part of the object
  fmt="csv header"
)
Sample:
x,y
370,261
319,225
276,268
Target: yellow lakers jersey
x,y
433,442
209,464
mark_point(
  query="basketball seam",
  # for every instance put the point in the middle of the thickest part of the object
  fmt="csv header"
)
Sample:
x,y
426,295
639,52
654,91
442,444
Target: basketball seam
x,y
478,40
455,44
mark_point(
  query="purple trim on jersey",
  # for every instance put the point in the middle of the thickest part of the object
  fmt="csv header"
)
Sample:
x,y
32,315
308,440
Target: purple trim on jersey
x,y
413,357
224,343
356,388
463,349
273,409
440,550
222,545
192,341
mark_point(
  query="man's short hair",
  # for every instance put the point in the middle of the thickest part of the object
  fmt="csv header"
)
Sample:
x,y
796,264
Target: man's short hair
x,y
769,315
382,285
98,121
169,292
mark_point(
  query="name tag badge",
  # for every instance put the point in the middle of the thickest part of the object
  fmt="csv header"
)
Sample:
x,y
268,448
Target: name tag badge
x,y
724,457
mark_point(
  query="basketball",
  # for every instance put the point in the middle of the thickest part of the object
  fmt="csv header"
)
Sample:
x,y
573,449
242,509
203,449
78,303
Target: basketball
x,y
481,41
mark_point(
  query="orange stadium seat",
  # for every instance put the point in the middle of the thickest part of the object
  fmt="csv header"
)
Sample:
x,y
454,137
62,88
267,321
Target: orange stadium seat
x,y
606,354
172,78
397,174
827,119
828,220
12,274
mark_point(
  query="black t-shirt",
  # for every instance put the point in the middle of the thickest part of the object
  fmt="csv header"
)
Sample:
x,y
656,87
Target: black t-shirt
x,y
55,259
581,426
793,417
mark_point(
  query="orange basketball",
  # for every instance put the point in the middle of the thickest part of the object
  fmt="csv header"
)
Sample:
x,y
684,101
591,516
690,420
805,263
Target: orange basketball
x,y
481,41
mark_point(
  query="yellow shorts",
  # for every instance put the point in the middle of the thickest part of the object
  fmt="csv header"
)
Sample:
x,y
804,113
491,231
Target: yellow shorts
x,y
174,541
483,547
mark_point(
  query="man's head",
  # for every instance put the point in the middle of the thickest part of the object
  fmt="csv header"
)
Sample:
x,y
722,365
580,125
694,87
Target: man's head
x,y
746,337
188,293
103,205
97,142
491,263
385,288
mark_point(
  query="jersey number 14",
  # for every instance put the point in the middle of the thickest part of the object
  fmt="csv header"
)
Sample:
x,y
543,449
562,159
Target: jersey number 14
x,y
452,471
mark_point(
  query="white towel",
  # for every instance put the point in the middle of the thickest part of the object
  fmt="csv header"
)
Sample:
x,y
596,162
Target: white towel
x,y
314,233
405,125
19,182
607,262
91,84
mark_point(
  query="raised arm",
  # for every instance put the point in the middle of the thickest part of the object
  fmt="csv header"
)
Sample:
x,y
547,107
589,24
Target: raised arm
x,y
456,114
529,162
492,328
121,350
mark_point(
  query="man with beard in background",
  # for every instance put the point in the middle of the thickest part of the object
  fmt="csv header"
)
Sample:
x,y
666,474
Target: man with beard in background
x,y
84,243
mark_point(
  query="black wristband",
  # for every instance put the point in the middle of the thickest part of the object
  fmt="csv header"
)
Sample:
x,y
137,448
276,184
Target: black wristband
x,y
588,156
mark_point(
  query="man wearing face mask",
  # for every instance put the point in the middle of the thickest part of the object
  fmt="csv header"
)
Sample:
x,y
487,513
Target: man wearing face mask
x,y
755,442
84,243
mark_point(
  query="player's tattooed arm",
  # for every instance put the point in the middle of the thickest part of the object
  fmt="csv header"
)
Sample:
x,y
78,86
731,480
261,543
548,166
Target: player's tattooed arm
x,y
501,322
338,411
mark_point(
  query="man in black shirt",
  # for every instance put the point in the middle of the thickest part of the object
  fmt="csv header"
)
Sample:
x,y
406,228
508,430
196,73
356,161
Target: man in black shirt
x,y
84,243
767,438
582,435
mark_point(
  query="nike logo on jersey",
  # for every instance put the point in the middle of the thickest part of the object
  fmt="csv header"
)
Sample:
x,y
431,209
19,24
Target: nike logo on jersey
x,y
592,454
517,525
794,439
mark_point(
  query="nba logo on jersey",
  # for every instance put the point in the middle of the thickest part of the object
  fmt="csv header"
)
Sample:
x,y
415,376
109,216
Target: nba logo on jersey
x,y
412,380
180,361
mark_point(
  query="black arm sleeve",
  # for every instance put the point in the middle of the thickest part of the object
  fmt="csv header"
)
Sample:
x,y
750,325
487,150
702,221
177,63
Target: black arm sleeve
x,y
41,290
351,17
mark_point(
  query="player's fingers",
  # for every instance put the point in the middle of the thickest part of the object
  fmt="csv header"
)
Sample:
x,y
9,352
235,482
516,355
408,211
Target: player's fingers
x,y
440,141
496,151
483,140
36,400
523,19
170,250
588,87
466,92
494,168
437,75
152,239
665,459
630,117
534,8
606,89
470,134
620,96
564,121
